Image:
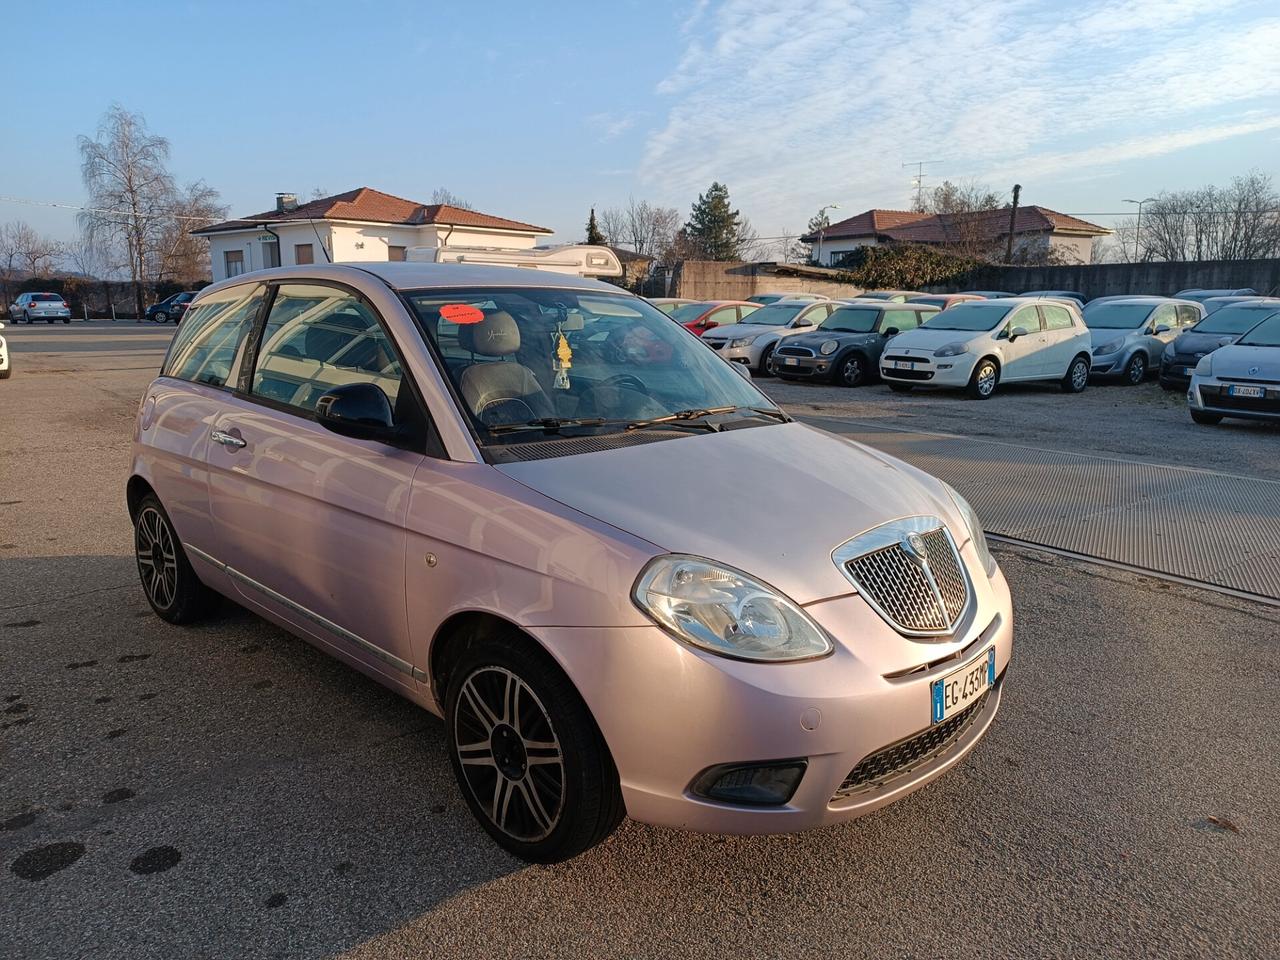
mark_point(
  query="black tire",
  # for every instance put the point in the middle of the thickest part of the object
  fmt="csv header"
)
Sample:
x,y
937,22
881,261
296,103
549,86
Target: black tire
x,y
49,321
1135,371
175,592
766,361
4,374
1206,418
1076,379
573,772
900,387
850,370
985,379
159,317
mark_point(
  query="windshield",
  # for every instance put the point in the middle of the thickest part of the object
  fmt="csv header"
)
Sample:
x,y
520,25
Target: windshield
x,y
852,320
516,355
1233,320
776,314
971,316
1265,334
688,311
1119,316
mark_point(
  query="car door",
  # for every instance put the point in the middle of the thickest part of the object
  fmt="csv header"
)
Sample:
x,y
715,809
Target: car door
x,y
311,523
1059,339
1022,356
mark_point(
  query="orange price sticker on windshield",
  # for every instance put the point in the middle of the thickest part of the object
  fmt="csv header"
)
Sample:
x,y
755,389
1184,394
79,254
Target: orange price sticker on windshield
x,y
461,313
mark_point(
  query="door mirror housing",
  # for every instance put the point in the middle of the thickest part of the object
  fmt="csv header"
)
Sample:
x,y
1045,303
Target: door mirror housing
x,y
804,322
891,331
1017,332
359,410
1162,328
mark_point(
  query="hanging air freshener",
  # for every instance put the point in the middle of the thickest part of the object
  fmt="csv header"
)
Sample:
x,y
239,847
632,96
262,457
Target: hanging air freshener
x,y
563,359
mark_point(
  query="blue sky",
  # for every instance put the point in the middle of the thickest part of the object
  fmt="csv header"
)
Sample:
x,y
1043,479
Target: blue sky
x,y
539,111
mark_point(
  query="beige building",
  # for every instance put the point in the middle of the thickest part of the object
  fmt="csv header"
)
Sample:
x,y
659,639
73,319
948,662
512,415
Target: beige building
x,y
359,225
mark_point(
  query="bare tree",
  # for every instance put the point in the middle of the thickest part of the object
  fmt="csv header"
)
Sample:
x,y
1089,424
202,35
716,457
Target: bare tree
x,y
442,195
24,252
613,224
92,260
1238,222
180,256
130,190
750,246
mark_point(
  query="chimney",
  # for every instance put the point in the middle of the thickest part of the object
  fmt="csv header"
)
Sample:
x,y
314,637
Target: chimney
x,y
286,202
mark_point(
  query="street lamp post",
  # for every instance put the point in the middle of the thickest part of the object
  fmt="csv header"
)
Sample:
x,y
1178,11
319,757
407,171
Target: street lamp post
x,y
1137,229
822,215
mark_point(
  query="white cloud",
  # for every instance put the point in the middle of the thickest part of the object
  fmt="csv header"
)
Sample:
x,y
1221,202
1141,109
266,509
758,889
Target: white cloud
x,y
610,126
794,102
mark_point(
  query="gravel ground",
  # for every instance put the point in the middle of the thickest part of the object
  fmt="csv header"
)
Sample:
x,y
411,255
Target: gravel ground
x,y
227,790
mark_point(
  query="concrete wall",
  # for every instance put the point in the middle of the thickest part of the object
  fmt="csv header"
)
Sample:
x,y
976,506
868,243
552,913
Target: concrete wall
x,y
1107,279
711,280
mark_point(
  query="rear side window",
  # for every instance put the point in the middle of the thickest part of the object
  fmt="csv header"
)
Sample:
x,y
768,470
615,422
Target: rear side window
x,y
1056,317
317,338
204,348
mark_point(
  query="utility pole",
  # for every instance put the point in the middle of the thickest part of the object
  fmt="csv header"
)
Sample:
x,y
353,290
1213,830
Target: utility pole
x,y
1013,216
822,216
918,179
1137,227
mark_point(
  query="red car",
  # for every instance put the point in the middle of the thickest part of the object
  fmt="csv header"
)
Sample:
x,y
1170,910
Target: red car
x,y
702,316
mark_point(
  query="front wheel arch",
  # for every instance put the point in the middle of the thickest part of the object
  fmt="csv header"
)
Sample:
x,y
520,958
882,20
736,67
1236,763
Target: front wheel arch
x,y
135,490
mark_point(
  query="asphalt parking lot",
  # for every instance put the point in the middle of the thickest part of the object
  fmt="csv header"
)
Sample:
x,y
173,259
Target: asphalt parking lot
x,y
226,790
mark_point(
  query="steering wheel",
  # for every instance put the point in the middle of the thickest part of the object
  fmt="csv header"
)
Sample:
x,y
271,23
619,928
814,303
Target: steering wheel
x,y
641,403
627,380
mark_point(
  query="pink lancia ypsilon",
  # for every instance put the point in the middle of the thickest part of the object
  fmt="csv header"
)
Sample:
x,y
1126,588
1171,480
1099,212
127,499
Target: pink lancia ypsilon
x,y
535,505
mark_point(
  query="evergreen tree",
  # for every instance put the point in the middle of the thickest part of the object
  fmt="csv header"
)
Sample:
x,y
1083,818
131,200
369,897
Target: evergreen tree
x,y
594,236
714,227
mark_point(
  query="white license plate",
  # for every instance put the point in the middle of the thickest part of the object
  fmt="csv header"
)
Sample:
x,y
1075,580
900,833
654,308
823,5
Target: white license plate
x,y
789,361
1236,390
954,692
903,365
1187,371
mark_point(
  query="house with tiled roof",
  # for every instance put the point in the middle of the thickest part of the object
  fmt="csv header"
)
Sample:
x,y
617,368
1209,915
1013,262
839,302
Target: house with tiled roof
x,y
1070,238
360,225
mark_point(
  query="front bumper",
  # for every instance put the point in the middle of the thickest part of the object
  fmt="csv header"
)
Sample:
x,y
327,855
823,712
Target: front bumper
x,y
1177,372
669,712
1212,395
802,367
927,371
749,355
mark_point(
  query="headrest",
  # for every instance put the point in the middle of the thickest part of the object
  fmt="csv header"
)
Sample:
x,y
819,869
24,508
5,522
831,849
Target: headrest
x,y
497,335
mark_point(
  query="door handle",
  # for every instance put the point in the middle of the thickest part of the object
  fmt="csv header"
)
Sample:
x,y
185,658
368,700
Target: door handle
x,y
227,439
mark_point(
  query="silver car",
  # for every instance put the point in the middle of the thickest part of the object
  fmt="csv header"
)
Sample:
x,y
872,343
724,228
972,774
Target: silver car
x,y
1129,337
30,307
752,342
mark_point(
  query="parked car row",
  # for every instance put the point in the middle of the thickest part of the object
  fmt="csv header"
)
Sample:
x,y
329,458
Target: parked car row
x,y
49,307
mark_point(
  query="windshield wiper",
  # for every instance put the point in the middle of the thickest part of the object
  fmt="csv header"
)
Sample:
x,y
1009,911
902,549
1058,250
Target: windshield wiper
x,y
549,425
689,418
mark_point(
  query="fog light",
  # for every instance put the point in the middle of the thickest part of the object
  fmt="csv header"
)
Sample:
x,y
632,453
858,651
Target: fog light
x,y
754,784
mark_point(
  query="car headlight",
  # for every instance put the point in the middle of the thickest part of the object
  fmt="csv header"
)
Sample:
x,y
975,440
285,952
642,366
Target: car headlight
x,y
1205,367
726,612
829,347
1111,346
743,341
951,350
976,532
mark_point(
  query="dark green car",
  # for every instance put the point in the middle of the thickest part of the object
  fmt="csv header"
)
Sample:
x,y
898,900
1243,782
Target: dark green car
x,y
845,348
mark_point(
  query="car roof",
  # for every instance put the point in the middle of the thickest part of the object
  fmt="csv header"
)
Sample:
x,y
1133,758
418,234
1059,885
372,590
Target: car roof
x,y
411,275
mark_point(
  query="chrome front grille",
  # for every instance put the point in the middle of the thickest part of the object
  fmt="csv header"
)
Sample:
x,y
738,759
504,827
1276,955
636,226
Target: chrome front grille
x,y
795,352
911,573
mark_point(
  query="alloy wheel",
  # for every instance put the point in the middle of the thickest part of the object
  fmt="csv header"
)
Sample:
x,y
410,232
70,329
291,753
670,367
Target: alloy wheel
x,y
510,755
157,557
851,372
986,380
1079,375
1137,369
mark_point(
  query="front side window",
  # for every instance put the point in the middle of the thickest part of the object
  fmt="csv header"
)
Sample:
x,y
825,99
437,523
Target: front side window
x,y
1028,318
204,348
1056,317
233,262
722,316
319,337
1187,315
687,312
902,319
1167,314
519,355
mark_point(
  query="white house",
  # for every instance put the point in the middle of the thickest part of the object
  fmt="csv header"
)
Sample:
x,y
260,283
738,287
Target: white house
x,y
361,224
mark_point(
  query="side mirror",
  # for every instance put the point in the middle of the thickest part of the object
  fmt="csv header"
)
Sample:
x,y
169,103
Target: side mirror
x,y
741,370
891,332
804,322
359,410
1017,332
1162,328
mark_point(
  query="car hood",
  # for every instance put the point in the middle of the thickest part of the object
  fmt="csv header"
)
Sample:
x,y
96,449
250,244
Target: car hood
x,y
803,492
1247,363
930,340
732,331
1193,343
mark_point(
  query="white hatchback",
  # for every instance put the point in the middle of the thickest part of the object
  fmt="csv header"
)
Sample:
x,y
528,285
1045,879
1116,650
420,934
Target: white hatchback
x,y
982,343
